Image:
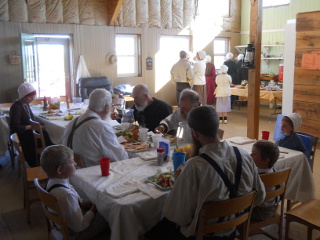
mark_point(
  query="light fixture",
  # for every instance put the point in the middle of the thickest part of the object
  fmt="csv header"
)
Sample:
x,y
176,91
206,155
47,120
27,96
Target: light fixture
x,y
248,59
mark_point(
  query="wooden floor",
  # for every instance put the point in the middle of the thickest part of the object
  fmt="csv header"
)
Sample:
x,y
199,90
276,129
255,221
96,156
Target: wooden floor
x,y
13,224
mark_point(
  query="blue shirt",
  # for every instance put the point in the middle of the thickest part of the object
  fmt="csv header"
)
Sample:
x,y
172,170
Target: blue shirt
x,y
293,142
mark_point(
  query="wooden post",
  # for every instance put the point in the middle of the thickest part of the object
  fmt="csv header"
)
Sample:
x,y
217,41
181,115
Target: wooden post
x,y
254,74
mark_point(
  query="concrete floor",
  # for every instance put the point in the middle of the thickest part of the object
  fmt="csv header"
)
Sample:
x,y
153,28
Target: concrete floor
x,y
13,219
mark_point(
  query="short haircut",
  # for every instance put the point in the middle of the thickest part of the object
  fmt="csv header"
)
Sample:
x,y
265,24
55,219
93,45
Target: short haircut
x,y
142,88
53,157
204,120
191,95
98,100
183,54
268,150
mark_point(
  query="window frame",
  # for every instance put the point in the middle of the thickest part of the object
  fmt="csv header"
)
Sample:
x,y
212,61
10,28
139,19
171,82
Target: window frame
x,y
137,55
227,49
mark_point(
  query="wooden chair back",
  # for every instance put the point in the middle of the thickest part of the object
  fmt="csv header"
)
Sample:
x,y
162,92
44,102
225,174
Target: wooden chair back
x,y
39,141
220,133
275,184
16,143
313,147
79,161
214,210
11,148
37,101
52,210
5,105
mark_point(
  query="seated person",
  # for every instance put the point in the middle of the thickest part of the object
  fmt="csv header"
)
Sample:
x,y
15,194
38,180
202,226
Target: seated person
x,y
20,115
289,125
81,216
148,111
188,100
265,154
91,136
202,180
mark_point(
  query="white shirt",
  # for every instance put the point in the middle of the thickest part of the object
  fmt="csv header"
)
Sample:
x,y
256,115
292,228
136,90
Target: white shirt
x,y
68,200
95,139
223,82
199,69
182,72
199,182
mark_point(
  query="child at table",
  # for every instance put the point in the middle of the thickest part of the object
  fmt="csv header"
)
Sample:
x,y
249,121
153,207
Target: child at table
x,y
289,125
265,154
81,216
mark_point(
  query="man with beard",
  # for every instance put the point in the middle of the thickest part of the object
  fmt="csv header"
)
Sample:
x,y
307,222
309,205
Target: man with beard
x,y
189,99
90,136
199,182
148,111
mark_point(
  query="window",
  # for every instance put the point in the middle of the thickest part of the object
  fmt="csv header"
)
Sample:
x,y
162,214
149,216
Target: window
x,y
128,55
273,3
220,49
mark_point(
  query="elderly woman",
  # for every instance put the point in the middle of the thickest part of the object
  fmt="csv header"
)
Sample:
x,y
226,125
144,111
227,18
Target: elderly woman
x,y
20,115
199,83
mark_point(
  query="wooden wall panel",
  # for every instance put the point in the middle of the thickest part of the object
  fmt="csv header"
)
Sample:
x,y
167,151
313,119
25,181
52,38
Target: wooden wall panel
x,y
307,82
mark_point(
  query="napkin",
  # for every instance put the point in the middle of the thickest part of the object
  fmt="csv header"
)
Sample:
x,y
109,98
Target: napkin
x,y
122,190
146,156
150,190
241,140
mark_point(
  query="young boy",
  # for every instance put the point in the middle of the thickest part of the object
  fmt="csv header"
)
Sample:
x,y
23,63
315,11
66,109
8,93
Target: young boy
x,y
81,216
289,125
264,154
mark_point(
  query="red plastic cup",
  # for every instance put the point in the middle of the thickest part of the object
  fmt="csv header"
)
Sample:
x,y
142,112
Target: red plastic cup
x,y
265,135
105,166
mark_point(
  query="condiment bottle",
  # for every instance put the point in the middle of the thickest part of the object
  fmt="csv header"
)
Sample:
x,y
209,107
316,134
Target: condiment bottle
x,y
160,156
45,103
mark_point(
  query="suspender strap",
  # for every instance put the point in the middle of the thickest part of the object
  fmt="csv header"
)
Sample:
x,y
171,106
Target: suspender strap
x,y
233,188
56,186
74,127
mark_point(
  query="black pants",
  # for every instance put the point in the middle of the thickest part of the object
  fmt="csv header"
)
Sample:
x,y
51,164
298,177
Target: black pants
x,y
168,230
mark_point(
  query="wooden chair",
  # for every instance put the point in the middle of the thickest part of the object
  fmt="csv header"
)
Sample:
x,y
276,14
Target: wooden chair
x,y
5,105
307,214
79,161
37,101
270,181
52,211
39,141
29,174
211,210
11,148
220,133
312,146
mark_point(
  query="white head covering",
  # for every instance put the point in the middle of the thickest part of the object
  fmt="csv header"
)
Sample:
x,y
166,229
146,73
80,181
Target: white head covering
x,y
240,56
201,54
189,54
224,69
24,89
296,120
208,58
229,55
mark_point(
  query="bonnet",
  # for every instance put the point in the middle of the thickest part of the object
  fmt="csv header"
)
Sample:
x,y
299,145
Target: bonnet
x,y
24,89
201,54
296,120
224,69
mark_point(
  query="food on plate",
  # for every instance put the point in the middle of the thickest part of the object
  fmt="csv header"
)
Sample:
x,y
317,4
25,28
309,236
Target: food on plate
x,y
127,134
165,180
68,117
134,146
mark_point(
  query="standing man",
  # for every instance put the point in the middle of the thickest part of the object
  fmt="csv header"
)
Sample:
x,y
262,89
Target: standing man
x,y
148,111
198,181
182,74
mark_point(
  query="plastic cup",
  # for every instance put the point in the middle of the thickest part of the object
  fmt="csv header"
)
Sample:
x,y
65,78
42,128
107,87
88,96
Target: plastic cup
x,y
105,166
125,125
265,135
178,158
156,138
143,134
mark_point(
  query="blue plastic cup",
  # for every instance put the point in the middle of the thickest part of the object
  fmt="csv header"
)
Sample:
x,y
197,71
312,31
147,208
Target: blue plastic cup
x,y
178,158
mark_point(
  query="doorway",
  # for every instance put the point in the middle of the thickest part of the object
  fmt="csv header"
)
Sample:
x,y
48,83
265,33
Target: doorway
x,y
47,63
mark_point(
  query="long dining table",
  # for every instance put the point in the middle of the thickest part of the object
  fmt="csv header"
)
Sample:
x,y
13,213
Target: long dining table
x,y
133,214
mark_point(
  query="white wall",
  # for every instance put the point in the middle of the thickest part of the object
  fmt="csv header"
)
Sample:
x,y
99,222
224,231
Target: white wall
x,y
288,73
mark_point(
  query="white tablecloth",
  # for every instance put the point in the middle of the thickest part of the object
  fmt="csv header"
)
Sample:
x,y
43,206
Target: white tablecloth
x,y
4,135
129,216
300,186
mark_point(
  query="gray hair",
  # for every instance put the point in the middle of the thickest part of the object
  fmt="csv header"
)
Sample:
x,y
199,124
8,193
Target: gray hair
x,y
141,88
204,120
53,157
183,54
98,100
190,94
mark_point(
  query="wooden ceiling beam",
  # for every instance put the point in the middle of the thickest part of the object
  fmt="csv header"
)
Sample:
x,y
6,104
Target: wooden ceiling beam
x,y
113,9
